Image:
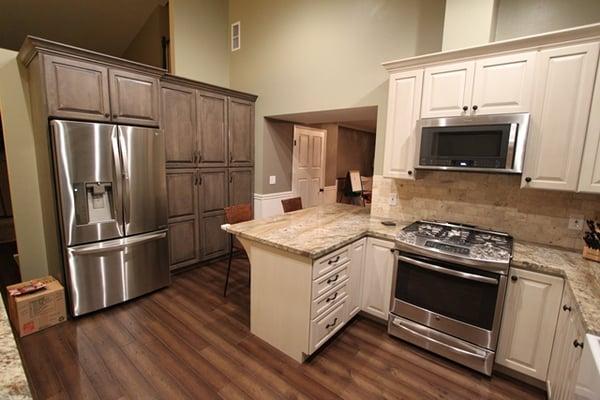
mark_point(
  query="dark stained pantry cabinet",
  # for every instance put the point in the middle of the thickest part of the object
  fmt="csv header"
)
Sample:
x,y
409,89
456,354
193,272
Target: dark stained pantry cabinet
x,y
209,133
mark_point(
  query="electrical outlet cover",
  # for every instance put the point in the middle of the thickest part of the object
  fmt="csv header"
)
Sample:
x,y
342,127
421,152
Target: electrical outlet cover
x,y
272,180
576,222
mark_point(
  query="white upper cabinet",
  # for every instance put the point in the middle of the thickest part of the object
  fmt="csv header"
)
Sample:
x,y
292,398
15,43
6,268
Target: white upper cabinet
x,y
589,178
564,81
447,90
404,99
529,322
503,84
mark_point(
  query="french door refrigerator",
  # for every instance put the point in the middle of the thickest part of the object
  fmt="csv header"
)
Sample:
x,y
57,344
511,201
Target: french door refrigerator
x,y
111,189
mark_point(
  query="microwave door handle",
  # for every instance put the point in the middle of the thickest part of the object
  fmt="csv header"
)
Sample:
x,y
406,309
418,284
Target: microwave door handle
x,y
118,184
512,142
447,271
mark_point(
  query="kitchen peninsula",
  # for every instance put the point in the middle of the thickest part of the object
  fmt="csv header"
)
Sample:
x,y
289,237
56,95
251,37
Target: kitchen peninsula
x,y
314,269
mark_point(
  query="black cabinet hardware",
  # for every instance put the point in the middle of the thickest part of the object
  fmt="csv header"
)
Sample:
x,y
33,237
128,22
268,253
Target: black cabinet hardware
x,y
465,108
577,343
566,308
335,278
331,298
475,108
514,278
528,179
331,324
333,261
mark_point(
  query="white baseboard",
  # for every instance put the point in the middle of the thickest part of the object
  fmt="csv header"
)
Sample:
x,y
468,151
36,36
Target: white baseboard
x,y
268,205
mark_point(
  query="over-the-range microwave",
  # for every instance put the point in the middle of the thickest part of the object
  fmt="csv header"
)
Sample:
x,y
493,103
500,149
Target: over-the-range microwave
x,y
487,143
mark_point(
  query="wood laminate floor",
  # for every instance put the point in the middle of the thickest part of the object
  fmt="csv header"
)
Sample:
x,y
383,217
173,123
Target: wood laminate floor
x,y
187,341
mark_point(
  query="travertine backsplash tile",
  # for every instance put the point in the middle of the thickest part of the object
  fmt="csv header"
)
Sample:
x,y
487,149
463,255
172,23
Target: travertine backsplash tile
x,y
489,200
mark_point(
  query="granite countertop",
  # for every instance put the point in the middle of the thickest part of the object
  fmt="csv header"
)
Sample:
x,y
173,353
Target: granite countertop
x,y
13,382
316,231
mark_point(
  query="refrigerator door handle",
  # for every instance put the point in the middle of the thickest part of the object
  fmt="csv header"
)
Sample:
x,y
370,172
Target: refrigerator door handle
x,y
125,178
117,201
118,244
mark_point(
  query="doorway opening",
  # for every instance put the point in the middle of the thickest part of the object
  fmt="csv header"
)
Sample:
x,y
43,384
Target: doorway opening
x,y
327,146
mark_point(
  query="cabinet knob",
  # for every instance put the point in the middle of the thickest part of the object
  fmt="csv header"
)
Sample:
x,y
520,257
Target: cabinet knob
x,y
475,108
528,179
106,115
409,172
514,278
566,308
465,108
114,115
577,343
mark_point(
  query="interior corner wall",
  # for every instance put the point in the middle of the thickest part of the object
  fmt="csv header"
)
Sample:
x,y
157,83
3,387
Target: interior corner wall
x,y
146,46
517,18
306,55
34,256
199,35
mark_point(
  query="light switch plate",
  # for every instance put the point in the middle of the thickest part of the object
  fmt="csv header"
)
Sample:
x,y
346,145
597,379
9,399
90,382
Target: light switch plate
x,y
576,222
272,180
393,199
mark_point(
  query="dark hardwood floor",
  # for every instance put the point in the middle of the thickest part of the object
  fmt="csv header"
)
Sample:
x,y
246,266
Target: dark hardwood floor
x,y
187,341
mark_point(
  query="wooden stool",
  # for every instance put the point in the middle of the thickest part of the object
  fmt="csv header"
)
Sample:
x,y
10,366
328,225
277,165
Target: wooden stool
x,y
233,215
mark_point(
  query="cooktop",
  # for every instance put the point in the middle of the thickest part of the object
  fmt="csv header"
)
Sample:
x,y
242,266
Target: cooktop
x,y
465,244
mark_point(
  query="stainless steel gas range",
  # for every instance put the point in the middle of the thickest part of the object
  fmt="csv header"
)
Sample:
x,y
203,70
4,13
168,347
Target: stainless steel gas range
x,y
448,290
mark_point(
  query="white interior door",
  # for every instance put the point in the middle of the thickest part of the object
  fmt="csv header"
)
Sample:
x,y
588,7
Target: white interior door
x,y
308,170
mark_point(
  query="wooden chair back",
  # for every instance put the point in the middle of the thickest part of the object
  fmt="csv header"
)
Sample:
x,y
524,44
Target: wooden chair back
x,y
238,213
293,204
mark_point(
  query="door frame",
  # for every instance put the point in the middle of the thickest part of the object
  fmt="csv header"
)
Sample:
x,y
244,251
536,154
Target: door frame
x,y
295,159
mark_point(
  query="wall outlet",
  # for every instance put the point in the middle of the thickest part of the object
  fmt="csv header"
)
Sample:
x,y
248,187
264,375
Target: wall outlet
x,y
393,199
272,180
576,222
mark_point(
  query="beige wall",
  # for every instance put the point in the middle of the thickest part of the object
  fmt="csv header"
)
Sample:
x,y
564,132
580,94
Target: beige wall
x,y
468,23
146,47
306,55
23,169
490,200
200,40
527,17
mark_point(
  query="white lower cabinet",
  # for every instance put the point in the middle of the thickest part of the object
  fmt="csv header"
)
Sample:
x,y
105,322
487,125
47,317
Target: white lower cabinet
x,y
529,322
357,257
377,278
566,351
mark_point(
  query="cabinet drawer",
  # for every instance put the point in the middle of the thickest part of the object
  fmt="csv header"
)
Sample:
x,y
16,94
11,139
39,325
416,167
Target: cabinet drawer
x,y
329,300
329,281
326,326
331,261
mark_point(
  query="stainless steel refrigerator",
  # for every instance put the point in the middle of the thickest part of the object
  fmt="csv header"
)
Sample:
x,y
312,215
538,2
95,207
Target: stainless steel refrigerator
x,y
111,189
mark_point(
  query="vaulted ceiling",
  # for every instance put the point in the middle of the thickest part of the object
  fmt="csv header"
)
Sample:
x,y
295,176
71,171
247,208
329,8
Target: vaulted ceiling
x,y
107,26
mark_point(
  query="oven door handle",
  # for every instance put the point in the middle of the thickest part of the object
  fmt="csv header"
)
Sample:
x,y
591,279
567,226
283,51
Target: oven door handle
x,y
447,271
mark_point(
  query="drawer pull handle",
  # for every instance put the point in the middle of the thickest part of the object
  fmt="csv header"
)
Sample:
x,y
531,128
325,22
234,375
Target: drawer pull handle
x,y
331,324
335,278
331,298
576,343
334,261
566,308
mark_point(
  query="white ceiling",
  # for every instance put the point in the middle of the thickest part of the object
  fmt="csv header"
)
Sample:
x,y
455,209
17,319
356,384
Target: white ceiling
x,y
107,26
364,118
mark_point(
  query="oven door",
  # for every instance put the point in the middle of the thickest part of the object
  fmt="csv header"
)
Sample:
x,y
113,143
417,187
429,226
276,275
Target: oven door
x,y
460,301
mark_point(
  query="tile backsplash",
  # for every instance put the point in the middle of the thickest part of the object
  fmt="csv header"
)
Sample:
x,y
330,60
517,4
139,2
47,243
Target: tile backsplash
x,y
490,200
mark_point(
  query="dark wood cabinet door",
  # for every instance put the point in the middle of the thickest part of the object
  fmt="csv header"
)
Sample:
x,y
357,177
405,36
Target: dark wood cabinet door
x,y
212,129
241,185
184,229
180,124
215,241
213,190
183,243
76,89
241,132
134,98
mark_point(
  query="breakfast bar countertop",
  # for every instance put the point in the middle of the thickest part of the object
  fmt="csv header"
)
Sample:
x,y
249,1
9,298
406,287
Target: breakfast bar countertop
x,y
317,231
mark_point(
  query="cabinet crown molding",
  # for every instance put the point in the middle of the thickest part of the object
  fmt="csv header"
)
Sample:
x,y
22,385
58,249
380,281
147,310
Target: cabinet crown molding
x,y
169,78
581,33
34,45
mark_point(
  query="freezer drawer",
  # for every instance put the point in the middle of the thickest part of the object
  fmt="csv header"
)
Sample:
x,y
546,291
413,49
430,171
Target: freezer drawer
x,y
111,272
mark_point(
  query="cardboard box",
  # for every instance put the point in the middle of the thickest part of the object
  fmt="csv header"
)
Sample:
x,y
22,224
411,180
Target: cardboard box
x,y
33,312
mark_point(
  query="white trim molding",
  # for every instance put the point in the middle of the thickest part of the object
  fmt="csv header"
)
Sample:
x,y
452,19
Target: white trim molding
x,y
269,204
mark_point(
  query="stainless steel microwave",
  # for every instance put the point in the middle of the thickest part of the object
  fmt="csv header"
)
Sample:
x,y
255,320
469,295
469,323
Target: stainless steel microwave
x,y
487,143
